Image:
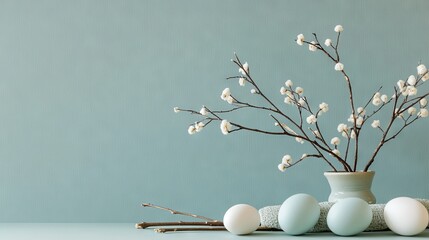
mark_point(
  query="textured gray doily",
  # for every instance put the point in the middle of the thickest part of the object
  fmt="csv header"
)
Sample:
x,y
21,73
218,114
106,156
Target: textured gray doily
x,y
269,216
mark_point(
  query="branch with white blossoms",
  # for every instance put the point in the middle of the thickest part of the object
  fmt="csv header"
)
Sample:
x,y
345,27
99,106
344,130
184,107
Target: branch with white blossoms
x,y
359,117
406,107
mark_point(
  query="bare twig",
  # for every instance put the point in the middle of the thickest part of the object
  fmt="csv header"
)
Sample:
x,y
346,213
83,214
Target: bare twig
x,y
165,230
178,212
144,225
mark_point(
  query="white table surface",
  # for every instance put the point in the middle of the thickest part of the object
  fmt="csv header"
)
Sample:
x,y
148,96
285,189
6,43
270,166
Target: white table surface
x,y
124,231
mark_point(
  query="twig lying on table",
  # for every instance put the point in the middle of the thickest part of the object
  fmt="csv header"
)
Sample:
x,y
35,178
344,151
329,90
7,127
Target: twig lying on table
x,y
209,225
179,213
164,230
144,225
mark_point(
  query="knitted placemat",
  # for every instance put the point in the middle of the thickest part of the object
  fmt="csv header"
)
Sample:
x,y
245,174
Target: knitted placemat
x,y
269,216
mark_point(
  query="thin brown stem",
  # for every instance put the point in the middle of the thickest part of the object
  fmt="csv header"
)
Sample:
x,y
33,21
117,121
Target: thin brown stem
x,y
165,230
178,212
144,225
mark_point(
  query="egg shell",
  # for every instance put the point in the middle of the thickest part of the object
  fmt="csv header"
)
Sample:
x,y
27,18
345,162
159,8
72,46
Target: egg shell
x,y
406,216
298,214
349,216
241,219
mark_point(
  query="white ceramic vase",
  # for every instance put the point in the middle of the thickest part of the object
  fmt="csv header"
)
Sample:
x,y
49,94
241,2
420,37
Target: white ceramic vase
x,y
351,184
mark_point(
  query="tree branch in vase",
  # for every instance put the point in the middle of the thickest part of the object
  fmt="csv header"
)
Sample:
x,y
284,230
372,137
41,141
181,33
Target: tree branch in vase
x,y
405,104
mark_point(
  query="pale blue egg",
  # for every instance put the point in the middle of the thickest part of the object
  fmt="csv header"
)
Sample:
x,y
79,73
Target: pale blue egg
x,y
298,214
349,216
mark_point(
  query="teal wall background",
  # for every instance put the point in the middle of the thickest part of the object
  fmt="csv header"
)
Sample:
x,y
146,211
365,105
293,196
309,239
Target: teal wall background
x,y
87,88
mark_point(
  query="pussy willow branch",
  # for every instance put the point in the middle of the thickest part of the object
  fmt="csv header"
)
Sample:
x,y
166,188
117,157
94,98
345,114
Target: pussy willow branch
x,y
395,115
320,137
165,230
304,136
210,225
178,212
385,132
144,225
303,158
349,86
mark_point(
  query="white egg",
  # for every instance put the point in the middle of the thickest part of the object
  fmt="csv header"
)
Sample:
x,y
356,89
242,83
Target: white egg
x,y
349,216
406,216
241,219
298,214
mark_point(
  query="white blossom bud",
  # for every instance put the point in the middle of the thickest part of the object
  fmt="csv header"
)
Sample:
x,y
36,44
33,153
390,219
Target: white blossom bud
x,y
376,101
338,28
242,81
299,90
328,42
353,134
361,111
359,121
324,107
401,84
412,110
300,39
375,124
342,127
336,152
421,69
384,98
199,126
192,130
287,160
283,91
335,141
253,91
289,83
288,100
311,119
377,95
423,113
411,90
204,111
412,80
351,119
316,133
312,47
425,77
282,167
244,70
423,102
225,94
300,140
225,127
176,109
301,102
230,99
304,155
339,67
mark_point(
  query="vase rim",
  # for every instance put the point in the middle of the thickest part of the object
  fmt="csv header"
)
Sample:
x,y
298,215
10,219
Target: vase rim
x,y
348,173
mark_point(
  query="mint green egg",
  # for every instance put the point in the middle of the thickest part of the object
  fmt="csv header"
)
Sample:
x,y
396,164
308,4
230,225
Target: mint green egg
x,y
349,216
298,214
